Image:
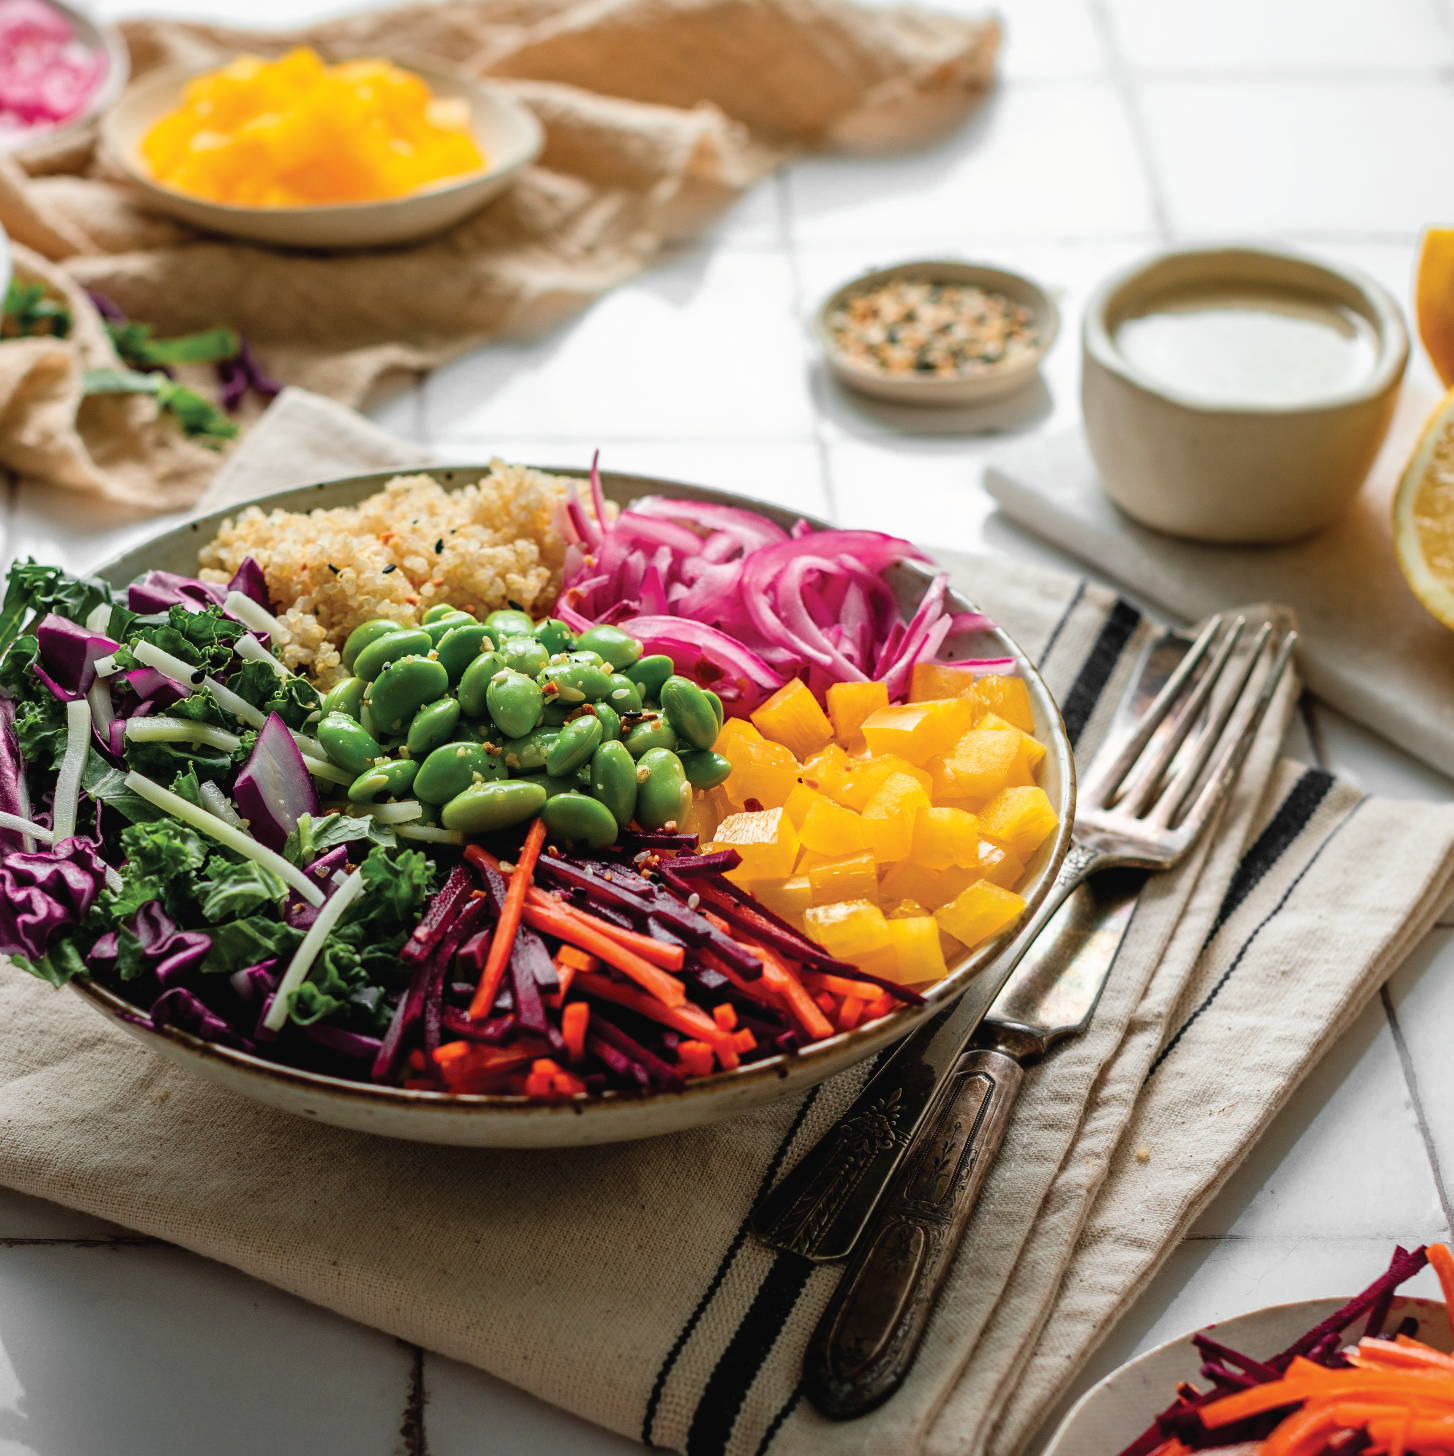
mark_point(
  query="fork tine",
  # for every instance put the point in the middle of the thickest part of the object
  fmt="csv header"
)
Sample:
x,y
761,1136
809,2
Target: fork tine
x,y
1235,743
1144,782
1102,782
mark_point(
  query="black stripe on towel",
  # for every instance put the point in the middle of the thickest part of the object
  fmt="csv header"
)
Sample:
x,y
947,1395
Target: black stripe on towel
x,y
1090,682
1247,944
1290,820
769,1177
745,1355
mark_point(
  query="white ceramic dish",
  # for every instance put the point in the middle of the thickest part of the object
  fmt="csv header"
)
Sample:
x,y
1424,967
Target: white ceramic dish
x,y
1244,472
508,132
939,389
1112,1414
496,1121
99,36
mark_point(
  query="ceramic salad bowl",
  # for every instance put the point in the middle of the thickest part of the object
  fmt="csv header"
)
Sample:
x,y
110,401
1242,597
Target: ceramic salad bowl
x,y
511,1121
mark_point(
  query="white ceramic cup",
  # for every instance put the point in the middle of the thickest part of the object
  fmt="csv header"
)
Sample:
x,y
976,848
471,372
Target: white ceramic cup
x,y
1243,472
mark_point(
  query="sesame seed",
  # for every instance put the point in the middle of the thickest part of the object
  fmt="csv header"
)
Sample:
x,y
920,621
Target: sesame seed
x,y
392,566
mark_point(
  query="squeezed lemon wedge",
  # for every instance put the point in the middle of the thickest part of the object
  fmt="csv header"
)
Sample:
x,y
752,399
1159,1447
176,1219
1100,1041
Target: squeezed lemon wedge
x,y
1423,515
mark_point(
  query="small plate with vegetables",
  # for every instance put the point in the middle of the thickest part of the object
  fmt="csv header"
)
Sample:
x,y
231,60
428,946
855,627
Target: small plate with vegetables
x,y
505,807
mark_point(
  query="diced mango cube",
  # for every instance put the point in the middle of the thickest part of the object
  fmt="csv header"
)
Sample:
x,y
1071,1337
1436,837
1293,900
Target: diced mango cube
x,y
766,840
945,837
905,909
853,877
799,801
1030,747
910,880
793,717
888,817
983,762
979,912
826,769
1009,697
865,776
763,773
848,928
940,680
1019,818
915,941
918,731
830,829
849,703
999,866
789,898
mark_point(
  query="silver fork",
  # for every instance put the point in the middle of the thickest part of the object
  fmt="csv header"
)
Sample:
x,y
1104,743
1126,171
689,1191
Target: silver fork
x,y
1146,799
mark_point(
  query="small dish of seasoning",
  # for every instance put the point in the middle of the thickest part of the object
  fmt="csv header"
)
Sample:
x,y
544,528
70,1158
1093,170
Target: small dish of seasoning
x,y
937,332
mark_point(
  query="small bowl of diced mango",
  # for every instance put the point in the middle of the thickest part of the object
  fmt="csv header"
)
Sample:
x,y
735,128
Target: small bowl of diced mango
x,y
301,153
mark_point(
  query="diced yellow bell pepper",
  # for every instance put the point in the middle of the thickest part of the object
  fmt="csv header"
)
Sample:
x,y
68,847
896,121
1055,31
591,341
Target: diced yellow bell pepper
x,y
979,912
793,718
865,776
940,680
763,772
799,801
905,909
853,877
944,837
999,866
766,840
915,941
830,829
910,880
849,703
826,769
789,898
1009,697
983,762
1019,818
918,731
888,817
847,929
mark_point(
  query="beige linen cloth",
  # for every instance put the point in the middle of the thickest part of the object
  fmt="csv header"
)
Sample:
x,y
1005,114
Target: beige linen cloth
x,y
1369,648
657,113
620,1281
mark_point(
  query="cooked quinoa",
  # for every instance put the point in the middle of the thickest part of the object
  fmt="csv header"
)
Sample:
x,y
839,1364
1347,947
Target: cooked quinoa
x,y
411,545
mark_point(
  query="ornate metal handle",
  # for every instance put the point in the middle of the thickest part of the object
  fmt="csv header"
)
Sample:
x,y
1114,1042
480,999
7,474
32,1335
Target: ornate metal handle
x,y
870,1333
820,1209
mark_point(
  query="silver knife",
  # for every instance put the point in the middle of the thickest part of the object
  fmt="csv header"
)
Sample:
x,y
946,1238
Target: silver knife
x,y
870,1333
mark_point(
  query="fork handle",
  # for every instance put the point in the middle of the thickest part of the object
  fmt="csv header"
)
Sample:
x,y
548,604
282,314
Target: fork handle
x,y
869,1336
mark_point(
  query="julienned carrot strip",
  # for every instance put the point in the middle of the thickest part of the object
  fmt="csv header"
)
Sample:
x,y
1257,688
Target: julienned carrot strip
x,y
695,1057
1400,1354
1407,1386
780,978
685,1018
1443,1262
509,921
842,986
576,958
573,1022
582,932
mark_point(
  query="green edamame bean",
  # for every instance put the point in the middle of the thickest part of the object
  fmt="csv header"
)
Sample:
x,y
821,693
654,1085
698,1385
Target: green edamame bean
x,y
663,795
704,769
650,673
510,623
461,645
579,819
624,696
452,768
613,780
365,633
366,719
432,725
474,683
438,610
485,807
347,743
717,706
619,648
610,720
440,627
391,779
524,654
552,786
649,733
401,642
554,634
554,714
576,682
404,687
528,753
345,697
582,654
689,712
514,701
574,745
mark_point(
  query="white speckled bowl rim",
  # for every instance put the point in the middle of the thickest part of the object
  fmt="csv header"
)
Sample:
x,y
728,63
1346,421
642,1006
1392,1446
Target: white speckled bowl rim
x,y
704,1098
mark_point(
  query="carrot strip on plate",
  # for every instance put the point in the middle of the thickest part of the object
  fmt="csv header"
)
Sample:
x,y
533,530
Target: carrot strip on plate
x,y
509,922
686,1018
558,920
573,1022
1443,1265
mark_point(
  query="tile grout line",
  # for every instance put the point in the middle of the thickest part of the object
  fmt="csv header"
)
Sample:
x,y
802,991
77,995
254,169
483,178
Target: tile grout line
x,y
1411,1081
1123,83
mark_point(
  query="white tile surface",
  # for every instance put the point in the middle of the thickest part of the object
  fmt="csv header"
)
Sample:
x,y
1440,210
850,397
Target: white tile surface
x,y
1122,122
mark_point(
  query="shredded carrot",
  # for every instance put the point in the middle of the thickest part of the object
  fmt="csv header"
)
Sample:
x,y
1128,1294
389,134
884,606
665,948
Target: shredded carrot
x,y
577,959
696,1058
1443,1265
725,1015
686,1018
573,1022
582,931
744,1040
509,922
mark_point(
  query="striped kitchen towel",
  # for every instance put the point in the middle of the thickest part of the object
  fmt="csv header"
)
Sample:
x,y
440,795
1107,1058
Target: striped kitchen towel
x,y
621,1282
